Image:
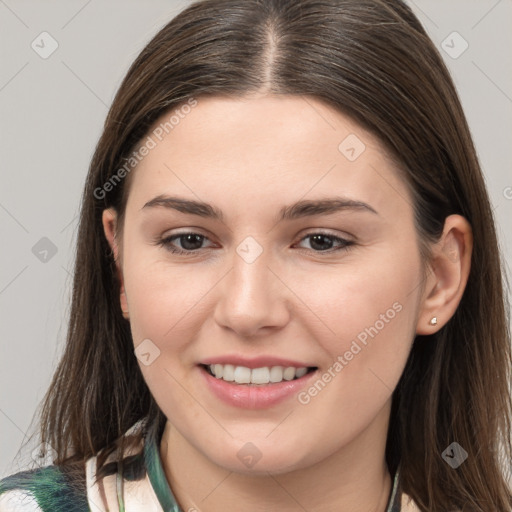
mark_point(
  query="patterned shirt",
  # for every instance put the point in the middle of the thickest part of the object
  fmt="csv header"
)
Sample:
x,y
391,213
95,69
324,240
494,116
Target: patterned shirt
x,y
138,484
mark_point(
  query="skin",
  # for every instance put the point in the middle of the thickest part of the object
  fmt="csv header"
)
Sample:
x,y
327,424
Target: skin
x,y
249,157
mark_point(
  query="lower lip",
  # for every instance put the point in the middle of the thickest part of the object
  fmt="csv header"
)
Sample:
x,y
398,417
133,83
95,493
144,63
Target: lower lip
x,y
250,396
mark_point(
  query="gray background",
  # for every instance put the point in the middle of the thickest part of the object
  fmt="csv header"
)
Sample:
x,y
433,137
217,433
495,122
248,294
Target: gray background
x,y
51,114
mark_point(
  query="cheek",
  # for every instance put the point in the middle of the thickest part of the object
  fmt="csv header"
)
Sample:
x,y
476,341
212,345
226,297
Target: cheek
x,y
163,300
368,324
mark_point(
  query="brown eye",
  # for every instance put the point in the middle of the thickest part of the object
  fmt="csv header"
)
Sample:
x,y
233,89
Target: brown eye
x,y
190,243
323,242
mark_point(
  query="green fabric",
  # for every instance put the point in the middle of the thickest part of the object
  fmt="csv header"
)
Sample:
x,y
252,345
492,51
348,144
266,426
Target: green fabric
x,y
394,504
51,487
156,472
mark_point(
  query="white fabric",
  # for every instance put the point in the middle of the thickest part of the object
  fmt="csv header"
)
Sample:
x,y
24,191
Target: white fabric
x,y
18,501
138,495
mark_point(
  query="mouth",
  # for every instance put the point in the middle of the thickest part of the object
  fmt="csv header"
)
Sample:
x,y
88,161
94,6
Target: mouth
x,y
256,377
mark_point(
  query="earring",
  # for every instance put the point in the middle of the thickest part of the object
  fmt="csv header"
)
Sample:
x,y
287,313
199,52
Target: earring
x,y
433,320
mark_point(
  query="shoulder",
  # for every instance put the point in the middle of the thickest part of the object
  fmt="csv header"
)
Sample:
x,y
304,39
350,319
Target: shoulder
x,y
72,487
50,488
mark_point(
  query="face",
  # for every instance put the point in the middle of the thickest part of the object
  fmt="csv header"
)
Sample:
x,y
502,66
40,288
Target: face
x,y
311,263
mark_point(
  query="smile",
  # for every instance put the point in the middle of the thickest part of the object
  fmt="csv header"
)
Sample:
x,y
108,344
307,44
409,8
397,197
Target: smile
x,y
258,376
255,388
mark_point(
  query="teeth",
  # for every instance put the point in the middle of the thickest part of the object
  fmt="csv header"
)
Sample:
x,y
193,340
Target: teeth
x,y
242,375
300,372
227,372
276,374
265,375
219,370
289,373
258,375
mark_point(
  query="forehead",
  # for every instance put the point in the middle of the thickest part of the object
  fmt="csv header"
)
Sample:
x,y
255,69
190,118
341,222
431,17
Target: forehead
x,y
270,148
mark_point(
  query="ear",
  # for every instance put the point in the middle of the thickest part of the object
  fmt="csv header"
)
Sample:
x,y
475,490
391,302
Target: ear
x,y
450,265
109,220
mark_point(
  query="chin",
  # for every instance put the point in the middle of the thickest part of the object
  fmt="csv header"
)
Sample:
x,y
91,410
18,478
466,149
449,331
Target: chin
x,y
249,460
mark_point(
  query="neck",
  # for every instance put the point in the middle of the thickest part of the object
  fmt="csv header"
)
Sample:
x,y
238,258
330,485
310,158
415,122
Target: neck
x,y
353,479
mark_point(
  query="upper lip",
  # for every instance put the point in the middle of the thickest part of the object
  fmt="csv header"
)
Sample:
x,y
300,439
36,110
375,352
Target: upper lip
x,y
255,362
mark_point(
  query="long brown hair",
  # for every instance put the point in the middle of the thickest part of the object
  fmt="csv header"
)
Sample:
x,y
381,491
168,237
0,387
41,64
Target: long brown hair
x,y
371,60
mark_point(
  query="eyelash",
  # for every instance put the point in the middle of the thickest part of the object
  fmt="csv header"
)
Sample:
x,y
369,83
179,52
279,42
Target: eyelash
x,y
166,243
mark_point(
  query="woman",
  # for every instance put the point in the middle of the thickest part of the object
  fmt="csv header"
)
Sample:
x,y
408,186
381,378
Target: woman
x,y
288,292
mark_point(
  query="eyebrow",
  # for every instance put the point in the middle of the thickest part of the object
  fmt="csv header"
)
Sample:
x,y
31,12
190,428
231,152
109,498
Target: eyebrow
x,y
300,209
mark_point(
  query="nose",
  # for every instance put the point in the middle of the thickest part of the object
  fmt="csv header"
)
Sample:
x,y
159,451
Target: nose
x,y
253,297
